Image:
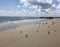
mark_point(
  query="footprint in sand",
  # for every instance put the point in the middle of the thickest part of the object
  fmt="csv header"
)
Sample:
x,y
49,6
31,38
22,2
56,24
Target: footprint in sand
x,y
21,31
52,23
43,23
55,30
38,26
48,32
39,23
26,36
48,26
46,23
37,31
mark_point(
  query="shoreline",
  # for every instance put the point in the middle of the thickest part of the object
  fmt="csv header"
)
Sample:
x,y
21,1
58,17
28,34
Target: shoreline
x,y
20,23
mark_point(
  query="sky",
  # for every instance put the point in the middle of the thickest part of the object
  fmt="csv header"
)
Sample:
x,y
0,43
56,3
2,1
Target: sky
x,y
34,8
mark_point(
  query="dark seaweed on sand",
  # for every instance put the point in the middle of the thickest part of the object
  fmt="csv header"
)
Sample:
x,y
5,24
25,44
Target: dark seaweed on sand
x,y
48,32
26,36
21,31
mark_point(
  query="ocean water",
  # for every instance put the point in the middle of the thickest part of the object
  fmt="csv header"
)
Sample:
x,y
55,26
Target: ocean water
x,y
13,22
6,18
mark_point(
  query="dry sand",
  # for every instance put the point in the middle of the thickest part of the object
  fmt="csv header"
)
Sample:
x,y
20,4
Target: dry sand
x,y
44,34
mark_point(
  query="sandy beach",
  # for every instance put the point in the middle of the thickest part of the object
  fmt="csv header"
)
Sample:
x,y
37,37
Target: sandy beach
x,y
41,34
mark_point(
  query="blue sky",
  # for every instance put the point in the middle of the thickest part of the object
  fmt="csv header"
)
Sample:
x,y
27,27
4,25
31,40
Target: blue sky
x,y
30,8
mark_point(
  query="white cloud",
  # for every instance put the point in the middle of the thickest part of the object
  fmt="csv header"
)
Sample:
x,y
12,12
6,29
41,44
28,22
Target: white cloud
x,y
23,0
58,7
49,1
18,6
7,13
54,5
35,13
54,13
35,7
48,10
58,0
2,11
27,3
14,13
44,1
18,13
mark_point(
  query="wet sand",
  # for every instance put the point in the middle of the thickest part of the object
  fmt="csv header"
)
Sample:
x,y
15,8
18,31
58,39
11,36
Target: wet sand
x,y
42,34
